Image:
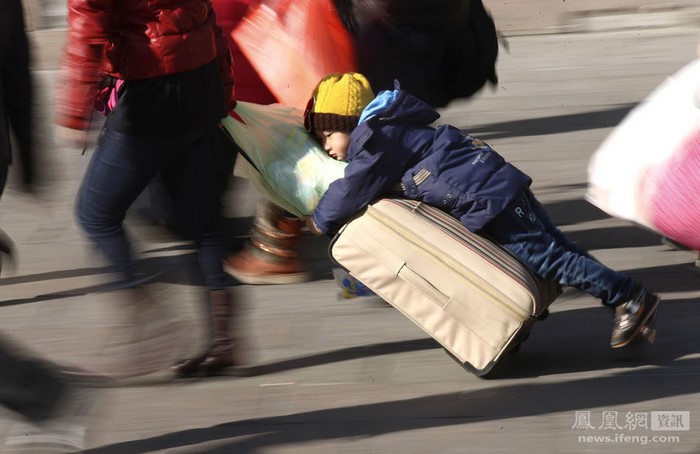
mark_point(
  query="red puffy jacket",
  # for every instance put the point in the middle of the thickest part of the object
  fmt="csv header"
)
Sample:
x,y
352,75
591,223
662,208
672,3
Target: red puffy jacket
x,y
134,39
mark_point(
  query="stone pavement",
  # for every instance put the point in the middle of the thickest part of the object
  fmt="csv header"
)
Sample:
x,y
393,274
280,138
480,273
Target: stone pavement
x,y
351,376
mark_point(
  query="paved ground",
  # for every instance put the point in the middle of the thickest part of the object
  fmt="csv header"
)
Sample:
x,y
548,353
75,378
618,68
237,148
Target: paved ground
x,y
345,376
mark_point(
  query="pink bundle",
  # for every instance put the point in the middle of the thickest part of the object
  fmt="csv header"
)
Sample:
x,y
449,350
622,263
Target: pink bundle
x,y
673,197
648,169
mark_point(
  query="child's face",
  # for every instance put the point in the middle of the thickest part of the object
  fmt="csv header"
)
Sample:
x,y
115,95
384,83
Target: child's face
x,y
335,143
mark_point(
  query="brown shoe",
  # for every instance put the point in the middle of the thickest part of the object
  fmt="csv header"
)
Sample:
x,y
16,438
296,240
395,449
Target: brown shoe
x,y
188,367
632,317
271,256
250,268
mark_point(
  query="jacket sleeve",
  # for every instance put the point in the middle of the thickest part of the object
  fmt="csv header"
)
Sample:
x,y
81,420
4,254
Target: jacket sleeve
x,y
80,75
367,177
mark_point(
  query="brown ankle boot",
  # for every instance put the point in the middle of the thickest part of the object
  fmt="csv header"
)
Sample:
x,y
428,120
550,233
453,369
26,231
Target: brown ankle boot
x,y
188,367
271,256
220,354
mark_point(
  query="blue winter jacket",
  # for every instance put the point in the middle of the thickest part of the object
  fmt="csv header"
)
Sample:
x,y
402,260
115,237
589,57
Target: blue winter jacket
x,y
395,152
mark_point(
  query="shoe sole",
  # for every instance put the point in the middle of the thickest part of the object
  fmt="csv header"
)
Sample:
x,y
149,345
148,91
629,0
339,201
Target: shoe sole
x,y
646,323
293,278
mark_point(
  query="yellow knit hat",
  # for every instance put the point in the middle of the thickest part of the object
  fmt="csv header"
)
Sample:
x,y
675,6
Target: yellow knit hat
x,y
337,102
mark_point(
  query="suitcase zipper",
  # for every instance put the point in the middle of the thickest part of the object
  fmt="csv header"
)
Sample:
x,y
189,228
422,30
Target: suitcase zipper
x,y
446,223
490,252
460,270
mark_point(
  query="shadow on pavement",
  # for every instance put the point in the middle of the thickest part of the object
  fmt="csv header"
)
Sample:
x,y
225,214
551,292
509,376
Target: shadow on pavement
x,y
441,410
566,342
574,211
615,237
53,275
555,124
684,277
180,269
577,341
344,354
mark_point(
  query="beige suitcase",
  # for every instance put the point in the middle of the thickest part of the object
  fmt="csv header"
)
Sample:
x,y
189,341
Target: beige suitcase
x,y
468,293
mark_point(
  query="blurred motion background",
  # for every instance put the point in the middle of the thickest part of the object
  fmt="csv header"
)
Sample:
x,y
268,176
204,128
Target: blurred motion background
x,y
350,375
46,19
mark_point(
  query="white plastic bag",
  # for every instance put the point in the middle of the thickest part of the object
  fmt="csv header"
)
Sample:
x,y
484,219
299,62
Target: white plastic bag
x,y
286,164
647,170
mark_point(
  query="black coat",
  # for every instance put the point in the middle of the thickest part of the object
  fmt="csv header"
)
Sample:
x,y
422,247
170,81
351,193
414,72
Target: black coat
x,y
15,89
439,50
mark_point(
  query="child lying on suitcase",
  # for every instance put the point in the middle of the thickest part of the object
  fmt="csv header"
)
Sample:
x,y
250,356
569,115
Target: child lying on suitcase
x,y
392,150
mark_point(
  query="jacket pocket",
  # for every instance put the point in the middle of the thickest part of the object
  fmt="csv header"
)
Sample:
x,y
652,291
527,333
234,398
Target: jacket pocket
x,y
424,186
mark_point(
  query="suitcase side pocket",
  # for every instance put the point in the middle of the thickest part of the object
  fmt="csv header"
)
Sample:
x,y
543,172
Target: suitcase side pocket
x,y
423,286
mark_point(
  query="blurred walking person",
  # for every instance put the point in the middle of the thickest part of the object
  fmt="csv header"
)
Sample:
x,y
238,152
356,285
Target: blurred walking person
x,y
16,99
176,68
46,400
272,255
439,50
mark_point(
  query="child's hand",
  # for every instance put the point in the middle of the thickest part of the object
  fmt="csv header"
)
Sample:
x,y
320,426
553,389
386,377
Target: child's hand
x,y
311,225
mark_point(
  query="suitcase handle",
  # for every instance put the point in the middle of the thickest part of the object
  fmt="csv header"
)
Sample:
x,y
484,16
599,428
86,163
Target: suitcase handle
x,y
423,286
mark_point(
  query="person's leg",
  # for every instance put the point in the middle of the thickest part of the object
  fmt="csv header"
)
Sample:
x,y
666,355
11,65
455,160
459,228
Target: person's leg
x,y
144,335
3,176
6,244
7,250
118,172
56,404
526,231
28,386
271,255
197,180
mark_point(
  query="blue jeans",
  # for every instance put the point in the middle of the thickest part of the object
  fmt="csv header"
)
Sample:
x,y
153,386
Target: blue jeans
x,y
524,228
195,171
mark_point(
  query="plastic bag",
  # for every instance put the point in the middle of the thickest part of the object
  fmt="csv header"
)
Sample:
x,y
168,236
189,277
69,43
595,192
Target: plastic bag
x,y
286,164
293,44
648,169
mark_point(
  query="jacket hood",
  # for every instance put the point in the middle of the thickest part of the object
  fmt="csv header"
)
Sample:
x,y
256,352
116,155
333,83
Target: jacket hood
x,y
399,106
